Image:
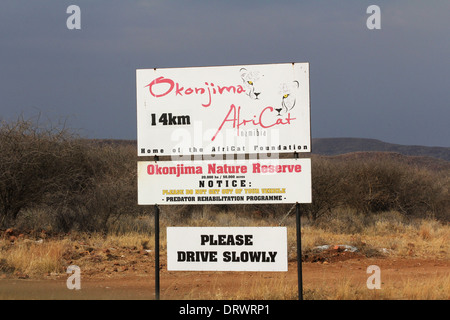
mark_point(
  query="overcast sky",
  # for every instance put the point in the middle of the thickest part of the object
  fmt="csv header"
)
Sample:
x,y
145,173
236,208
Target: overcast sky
x,y
391,84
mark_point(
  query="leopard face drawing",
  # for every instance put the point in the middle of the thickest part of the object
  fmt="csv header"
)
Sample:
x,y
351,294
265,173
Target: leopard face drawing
x,y
251,81
288,92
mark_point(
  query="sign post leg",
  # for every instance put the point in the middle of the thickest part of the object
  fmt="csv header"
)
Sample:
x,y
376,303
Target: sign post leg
x,y
299,253
156,252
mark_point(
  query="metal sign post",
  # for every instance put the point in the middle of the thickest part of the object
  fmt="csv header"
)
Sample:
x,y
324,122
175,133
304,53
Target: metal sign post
x,y
299,252
156,252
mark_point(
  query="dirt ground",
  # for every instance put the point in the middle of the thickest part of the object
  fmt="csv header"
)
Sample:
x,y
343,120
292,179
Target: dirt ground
x,y
131,275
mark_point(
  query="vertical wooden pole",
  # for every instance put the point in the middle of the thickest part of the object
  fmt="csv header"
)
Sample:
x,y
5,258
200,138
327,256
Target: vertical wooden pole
x,y
299,253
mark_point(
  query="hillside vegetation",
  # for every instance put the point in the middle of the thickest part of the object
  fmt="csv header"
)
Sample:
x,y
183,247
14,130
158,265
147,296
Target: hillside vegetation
x,y
50,179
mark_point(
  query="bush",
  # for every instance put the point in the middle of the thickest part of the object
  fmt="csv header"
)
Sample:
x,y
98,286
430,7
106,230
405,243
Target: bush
x,y
383,185
89,185
377,183
34,163
327,181
83,183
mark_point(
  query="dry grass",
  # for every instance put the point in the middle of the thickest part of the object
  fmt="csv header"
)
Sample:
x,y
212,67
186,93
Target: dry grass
x,y
275,289
435,287
33,258
423,237
432,288
385,236
388,232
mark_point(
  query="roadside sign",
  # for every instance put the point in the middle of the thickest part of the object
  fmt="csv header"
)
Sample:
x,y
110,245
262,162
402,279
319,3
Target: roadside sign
x,y
224,182
227,249
213,111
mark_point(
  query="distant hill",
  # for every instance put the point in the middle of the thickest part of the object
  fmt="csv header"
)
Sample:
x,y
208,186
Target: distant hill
x,y
338,146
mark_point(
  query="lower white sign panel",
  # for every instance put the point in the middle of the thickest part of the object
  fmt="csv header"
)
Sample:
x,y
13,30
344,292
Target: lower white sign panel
x,y
227,249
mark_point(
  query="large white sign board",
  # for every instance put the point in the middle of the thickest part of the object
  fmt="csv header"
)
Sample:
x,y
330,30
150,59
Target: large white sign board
x,y
224,182
222,110
227,249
